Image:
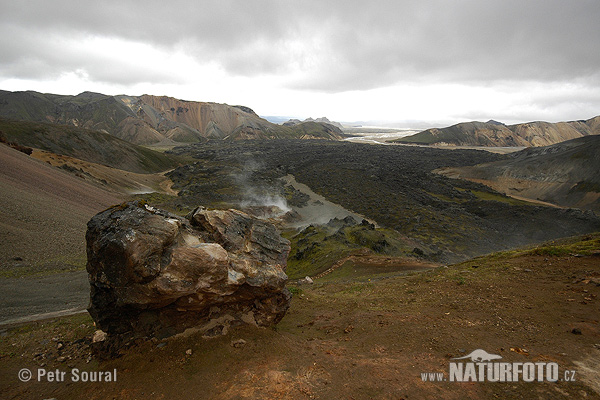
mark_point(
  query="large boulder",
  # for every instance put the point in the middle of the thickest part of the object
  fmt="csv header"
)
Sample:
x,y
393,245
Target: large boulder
x,y
155,274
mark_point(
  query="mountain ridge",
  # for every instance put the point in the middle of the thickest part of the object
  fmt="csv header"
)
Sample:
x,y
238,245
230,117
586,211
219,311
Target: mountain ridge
x,y
149,119
86,144
496,134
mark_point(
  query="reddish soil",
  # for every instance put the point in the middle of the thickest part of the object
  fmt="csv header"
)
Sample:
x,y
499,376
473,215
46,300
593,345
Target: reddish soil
x,y
354,340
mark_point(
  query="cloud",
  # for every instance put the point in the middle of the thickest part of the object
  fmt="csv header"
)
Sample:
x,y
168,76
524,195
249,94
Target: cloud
x,y
310,46
332,46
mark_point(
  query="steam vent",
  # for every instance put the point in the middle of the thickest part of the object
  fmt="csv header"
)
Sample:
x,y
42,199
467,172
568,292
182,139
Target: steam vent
x,y
155,274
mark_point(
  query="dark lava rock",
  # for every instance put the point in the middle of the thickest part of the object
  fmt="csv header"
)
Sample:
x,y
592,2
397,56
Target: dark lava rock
x,y
155,274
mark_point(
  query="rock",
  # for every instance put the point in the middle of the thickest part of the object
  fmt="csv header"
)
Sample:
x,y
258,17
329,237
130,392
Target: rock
x,y
576,331
155,274
305,280
188,352
238,343
99,336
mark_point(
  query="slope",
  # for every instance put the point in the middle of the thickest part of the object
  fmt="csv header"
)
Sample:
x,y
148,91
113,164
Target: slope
x,y
359,339
565,174
89,145
44,213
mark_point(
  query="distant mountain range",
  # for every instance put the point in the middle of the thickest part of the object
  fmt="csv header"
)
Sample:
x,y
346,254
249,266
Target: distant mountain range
x,y
152,119
323,120
496,134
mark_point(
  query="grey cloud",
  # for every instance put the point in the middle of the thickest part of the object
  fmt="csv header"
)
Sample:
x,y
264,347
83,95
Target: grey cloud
x,y
38,55
465,41
349,45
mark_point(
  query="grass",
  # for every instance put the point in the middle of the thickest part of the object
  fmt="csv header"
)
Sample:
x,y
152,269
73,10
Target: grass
x,y
349,338
584,245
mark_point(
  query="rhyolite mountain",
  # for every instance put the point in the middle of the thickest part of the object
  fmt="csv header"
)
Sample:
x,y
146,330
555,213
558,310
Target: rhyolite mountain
x,y
566,173
152,119
496,134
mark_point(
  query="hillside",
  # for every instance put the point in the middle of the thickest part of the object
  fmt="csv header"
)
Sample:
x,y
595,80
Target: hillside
x,y
566,174
494,134
88,145
360,338
44,213
150,119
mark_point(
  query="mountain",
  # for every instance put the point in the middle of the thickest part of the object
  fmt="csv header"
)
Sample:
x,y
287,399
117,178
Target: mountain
x,y
565,174
496,134
149,119
323,120
86,144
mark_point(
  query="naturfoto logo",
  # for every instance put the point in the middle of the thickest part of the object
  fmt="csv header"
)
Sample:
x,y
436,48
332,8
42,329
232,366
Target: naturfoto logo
x,y
482,367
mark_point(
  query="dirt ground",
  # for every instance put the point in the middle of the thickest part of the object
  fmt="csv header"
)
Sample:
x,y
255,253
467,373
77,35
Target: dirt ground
x,y
29,297
352,340
44,211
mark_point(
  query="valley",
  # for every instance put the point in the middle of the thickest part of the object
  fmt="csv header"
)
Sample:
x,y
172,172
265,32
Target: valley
x,y
317,200
391,185
416,255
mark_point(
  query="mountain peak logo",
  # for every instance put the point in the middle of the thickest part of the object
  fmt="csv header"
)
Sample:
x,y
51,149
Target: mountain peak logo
x,y
480,355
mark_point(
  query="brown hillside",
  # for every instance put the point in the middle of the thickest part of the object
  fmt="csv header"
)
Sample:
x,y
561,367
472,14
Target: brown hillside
x,y
210,119
495,134
44,210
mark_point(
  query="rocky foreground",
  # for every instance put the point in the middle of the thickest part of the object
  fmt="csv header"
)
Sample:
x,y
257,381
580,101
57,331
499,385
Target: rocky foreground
x,y
362,339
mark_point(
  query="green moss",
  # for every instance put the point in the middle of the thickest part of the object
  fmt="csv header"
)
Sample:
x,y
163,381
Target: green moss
x,y
295,290
317,248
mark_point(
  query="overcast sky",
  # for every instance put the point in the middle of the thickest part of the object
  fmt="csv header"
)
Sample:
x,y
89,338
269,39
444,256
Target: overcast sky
x,y
406,61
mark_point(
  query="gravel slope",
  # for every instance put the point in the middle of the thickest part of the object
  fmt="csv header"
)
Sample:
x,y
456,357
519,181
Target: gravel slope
x,y
44,210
